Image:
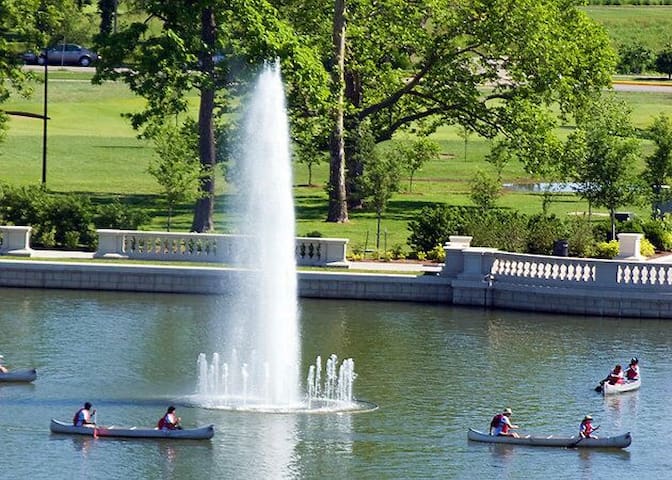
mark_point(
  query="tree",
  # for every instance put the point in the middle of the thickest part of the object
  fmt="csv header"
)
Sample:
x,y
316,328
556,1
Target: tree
x,y
170,54
659,163
484,190
338,210
413,154
380,181
30,22
602,153
416,65
664,61
634,58
176,166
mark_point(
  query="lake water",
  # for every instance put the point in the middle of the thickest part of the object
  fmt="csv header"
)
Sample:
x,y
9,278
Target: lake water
x,y
434,371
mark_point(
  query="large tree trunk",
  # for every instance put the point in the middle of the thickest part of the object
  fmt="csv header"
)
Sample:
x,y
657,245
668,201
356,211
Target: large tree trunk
x,y
338,208
204,209
353,162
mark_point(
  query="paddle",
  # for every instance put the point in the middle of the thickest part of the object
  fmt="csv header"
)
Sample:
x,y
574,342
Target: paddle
x,y
95,423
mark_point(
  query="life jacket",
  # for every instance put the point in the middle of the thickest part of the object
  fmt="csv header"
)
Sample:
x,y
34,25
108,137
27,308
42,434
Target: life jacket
x,y
75,419
496,420
586,428
165,423
631,373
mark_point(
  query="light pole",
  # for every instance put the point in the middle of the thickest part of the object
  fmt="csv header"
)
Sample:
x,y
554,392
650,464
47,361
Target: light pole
x,y
44,119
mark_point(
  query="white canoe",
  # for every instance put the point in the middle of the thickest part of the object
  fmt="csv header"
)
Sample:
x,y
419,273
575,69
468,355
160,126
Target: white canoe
x,y
19,375
608,389
200,433
620,441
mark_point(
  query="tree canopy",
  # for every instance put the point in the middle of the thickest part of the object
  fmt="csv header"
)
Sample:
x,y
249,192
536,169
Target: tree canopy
x,y
493,67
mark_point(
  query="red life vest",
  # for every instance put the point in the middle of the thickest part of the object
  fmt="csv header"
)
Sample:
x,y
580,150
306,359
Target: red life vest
x,y
162,423
631,373
497,421
586,428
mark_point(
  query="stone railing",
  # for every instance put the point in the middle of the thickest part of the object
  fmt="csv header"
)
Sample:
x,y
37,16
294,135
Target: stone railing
x,y
489,266
203,247
15,240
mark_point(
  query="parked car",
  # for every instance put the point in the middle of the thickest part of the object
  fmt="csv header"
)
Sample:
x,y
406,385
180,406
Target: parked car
x,y
63,54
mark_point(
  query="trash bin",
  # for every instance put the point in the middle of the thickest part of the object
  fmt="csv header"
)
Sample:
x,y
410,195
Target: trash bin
x,y
561,248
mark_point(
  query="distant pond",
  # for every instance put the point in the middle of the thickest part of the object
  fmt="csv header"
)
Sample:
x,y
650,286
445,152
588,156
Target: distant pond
x,y
553,187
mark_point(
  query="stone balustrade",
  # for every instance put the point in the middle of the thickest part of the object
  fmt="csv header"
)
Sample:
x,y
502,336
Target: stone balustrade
x,y
206,247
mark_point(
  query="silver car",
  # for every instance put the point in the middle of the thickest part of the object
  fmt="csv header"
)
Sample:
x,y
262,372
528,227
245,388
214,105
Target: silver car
x,y
68,54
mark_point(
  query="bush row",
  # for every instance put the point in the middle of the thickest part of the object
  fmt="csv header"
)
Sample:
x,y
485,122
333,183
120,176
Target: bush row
x,y
513,231
65,221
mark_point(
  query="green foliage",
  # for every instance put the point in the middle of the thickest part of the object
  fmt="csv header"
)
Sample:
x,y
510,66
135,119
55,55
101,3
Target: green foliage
x,y
606,250
581,237
646,248
314,234
635,58
176,166
484,190
543,231
664,61
659,163
600,154
435,224
116,215
413,154
437,254
502,229
658,233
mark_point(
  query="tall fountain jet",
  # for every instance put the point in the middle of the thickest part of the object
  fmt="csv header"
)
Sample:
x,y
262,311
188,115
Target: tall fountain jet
x,y
260,367
262,364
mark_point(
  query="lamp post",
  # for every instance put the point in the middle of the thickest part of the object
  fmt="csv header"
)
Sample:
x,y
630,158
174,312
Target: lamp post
x,y
44,119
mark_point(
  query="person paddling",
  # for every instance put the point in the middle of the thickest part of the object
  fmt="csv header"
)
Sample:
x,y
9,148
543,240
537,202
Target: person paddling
x,y
83,416
632,373
170,421
586,428
501,424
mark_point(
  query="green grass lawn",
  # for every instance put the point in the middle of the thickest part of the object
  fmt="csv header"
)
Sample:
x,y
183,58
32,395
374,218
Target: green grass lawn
x,y
93,150
650,25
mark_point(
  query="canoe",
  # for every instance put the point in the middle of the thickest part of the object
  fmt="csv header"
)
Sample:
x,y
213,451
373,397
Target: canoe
x,y
620,441
19,375
200,433
608,389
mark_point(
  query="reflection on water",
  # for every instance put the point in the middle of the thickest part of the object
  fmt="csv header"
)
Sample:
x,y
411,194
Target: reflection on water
x,y
433,370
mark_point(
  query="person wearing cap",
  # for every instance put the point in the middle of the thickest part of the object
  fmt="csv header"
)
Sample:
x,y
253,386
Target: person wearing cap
x,y
586,428
632,373
83,416
501,424
3,369
170,421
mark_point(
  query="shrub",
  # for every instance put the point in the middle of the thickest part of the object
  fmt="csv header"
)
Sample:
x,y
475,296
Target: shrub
x,y
542,231
581,237
435,224
437,254
606,249
503,229
314,234
116,215
646,248
656,233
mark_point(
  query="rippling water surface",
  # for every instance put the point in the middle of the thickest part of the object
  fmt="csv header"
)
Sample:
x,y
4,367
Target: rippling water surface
x,y
434,371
